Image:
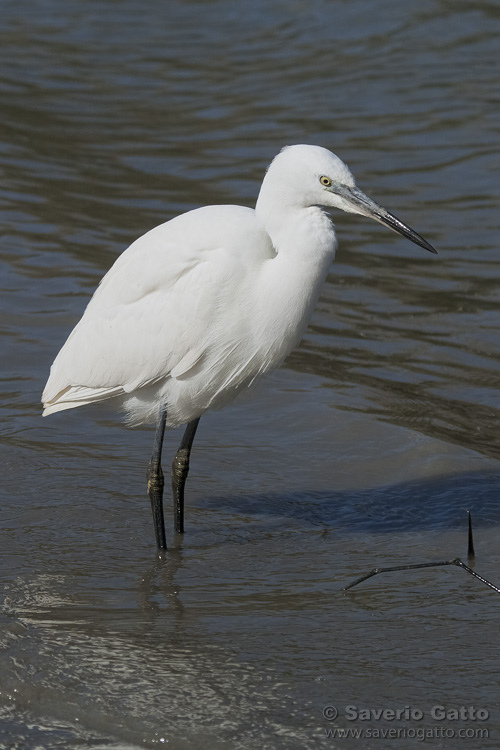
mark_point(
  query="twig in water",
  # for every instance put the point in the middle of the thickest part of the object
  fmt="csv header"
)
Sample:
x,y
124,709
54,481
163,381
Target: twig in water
x,y
455,561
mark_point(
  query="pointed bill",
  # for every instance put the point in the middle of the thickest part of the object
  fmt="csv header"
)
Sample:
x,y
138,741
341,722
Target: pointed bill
x,y
359,203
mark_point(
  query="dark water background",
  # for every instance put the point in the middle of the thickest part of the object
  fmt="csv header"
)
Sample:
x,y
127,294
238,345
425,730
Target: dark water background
x,y
365,449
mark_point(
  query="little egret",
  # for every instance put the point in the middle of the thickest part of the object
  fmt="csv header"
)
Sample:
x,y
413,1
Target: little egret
x,y
198,308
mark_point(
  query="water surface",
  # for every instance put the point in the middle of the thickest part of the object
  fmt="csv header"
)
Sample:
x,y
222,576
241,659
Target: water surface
x,y
366,449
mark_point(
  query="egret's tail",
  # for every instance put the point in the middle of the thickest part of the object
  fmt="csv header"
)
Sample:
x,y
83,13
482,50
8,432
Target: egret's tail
x,y
76,395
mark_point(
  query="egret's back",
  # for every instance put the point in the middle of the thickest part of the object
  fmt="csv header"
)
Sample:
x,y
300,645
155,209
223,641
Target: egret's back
x,y
175,303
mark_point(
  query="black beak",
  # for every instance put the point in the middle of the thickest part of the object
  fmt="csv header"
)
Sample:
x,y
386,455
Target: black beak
x,y
361,204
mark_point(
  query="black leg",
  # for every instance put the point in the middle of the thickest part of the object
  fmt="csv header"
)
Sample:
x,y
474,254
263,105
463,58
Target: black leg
x,y
180,469
155,482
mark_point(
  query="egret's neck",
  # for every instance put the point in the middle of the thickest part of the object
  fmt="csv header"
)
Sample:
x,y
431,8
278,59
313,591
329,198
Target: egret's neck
x,y
304,233
304,241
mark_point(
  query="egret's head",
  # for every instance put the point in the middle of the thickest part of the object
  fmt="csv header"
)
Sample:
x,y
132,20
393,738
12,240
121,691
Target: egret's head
x,y
313,176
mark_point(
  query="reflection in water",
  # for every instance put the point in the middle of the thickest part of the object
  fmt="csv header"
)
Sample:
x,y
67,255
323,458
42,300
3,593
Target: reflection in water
x,y
161,581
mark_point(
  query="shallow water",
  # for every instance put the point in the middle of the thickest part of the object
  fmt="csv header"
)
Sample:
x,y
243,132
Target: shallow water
x,y
366,449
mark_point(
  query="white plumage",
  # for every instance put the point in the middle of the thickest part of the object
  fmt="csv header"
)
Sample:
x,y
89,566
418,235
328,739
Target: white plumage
x,y
199,307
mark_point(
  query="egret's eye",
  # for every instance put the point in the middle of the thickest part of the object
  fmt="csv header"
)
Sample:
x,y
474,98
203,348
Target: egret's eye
x,y
325,181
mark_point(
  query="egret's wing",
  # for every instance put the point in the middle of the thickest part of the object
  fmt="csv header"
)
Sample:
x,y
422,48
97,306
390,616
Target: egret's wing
x,y
153,312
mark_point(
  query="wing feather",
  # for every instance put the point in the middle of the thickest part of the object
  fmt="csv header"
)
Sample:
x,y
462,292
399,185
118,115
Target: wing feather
x,y
153,313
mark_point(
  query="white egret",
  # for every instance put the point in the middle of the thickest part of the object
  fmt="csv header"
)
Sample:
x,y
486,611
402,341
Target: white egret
x,y
199,307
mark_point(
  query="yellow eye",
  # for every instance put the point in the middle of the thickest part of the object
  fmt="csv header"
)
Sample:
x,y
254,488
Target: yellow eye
x,y
325,181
